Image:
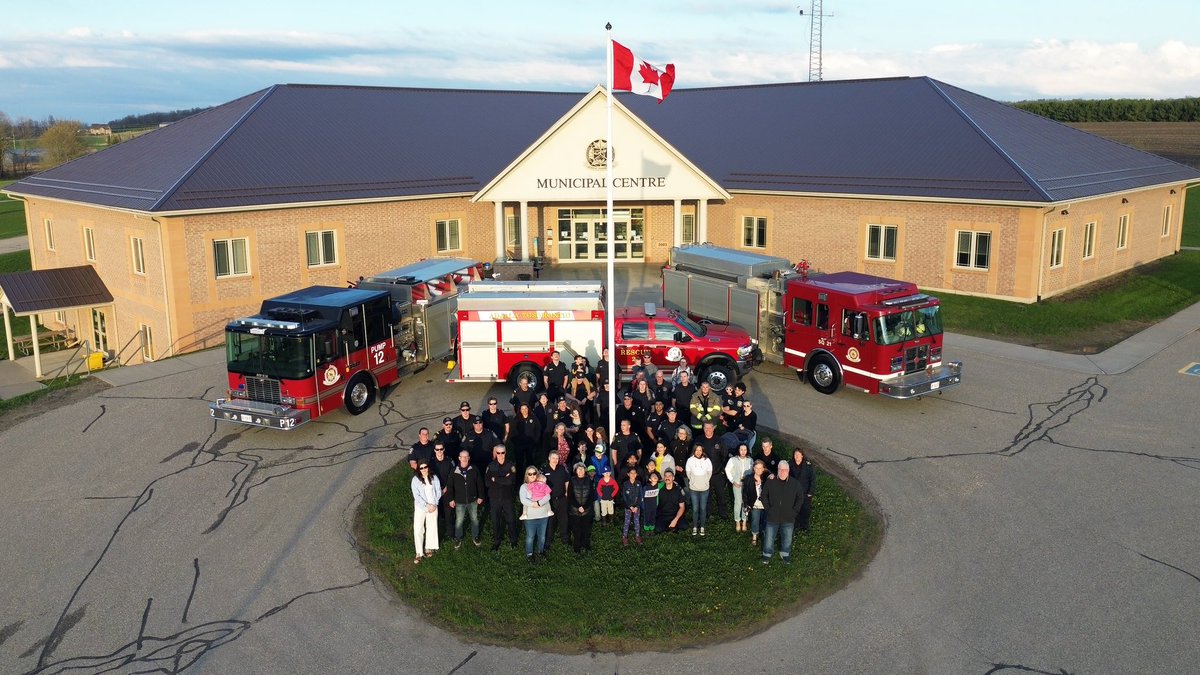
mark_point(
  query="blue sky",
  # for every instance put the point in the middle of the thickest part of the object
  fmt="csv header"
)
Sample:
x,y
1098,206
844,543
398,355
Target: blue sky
x,y
99,61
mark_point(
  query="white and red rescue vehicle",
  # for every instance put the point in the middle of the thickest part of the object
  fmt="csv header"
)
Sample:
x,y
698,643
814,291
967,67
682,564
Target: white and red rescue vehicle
x,y
878,335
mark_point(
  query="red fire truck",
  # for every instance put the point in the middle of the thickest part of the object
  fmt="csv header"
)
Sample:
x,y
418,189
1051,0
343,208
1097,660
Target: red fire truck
x,y
870,333
507,330
323,348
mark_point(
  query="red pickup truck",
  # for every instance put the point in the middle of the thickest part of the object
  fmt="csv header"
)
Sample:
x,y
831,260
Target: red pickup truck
x,y
720,355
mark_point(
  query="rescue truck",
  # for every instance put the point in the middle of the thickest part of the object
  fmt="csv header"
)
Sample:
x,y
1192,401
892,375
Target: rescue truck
x,y
322,348
508,330
875,334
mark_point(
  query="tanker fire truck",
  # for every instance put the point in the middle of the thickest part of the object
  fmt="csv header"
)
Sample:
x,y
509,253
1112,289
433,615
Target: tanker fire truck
x,y
871,333
322,348
508,330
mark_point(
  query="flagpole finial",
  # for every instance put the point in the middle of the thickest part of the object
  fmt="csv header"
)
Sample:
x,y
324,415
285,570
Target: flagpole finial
x,y
608,26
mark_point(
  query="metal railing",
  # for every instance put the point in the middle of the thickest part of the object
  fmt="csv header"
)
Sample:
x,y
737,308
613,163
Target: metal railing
x,y
201,338
121,358
84,346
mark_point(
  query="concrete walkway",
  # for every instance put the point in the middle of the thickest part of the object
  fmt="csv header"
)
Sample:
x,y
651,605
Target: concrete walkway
x,y
14,244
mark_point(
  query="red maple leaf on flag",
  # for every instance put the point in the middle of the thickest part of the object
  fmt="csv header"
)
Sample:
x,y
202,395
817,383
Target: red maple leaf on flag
x,y
648,73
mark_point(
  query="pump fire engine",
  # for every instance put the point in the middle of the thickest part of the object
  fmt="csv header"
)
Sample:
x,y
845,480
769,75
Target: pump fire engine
x,y
323,348
870,333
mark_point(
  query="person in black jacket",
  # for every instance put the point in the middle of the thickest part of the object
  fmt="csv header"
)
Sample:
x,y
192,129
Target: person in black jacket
x,y
557,478
501,481
448,437
479,442
580,496
806,475
466,496
525,435
441,466
781,498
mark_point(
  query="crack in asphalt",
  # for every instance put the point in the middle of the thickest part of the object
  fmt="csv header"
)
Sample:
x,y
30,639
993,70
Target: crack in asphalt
x,y
1021,668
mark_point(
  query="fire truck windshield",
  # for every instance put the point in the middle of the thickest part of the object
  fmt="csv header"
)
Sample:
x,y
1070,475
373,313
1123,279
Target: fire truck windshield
x,y
271,355
696,329
911,324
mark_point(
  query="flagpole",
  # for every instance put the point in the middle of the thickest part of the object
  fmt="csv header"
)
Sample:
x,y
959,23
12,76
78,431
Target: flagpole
x,y
611,237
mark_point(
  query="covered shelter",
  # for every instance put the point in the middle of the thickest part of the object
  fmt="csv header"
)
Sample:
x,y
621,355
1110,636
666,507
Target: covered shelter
x,y
35,292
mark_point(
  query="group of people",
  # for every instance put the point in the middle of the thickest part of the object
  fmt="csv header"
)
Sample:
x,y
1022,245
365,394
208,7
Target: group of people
x,y
679,449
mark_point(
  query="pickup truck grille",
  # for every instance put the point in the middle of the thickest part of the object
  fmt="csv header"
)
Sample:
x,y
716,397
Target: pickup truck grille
x,y
263,389
916,358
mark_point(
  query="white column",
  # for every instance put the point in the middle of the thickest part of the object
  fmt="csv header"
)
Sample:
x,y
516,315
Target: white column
x,y
702,219
522,217
678,222
498,211
8,333
37,354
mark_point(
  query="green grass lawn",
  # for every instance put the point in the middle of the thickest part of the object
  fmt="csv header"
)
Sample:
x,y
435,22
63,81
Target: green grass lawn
x,y
1191,218
12,215
675,591
1096,316
13,262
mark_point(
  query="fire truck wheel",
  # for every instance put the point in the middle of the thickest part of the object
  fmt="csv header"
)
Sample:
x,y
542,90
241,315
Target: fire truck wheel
x,y
528,372
360,394
823,374
719,376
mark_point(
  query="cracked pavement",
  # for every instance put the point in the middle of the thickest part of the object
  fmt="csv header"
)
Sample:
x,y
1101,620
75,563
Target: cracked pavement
x,y
1038,520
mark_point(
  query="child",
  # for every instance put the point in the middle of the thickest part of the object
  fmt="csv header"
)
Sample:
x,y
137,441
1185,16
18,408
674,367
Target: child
x,y
650,503
631,498
600,462
606,490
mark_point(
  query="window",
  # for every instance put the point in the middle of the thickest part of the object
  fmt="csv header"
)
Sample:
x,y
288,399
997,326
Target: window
x,y
881,242
512,232
687,227
89,244
1089,240
801,312
974,250
147,342
1166,225
322,248
664,331
230,258
448,237
1123,231
1057,239
60,318
49,234
139,257
754,232
635,330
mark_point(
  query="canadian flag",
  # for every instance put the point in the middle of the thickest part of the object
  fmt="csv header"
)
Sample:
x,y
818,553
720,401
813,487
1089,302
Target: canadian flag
x,y
633,74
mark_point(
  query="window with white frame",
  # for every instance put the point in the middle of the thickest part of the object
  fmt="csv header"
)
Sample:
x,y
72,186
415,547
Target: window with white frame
x,y
49,225
754,231
61,318
512,232
1057,240
974,250
881,242
1166,224
1123,231
687,229
89,244
231,257
322,247
147,342
1089,240
137,254
449,237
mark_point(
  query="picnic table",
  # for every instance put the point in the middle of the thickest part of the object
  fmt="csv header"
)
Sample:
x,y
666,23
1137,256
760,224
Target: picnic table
x,y
48,341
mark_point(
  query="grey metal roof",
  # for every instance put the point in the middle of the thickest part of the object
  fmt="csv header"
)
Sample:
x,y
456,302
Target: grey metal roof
x,y
54,289
908,137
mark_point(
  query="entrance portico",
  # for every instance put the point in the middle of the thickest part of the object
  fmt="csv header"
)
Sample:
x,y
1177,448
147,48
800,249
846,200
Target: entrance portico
x,y
559,186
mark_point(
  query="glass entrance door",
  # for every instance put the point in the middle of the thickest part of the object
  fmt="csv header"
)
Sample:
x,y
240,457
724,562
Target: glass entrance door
x,y
583,235
99,330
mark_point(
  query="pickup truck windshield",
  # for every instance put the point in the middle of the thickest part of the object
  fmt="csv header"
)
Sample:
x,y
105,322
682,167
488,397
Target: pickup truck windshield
x,y
696,329
270,355
911,324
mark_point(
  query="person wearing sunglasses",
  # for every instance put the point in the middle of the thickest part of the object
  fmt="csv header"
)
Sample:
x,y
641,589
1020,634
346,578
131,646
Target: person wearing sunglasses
x,y
501,481
426,491
535,512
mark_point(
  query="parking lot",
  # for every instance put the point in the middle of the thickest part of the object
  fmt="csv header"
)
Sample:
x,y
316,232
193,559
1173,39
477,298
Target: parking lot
x,y
1039,519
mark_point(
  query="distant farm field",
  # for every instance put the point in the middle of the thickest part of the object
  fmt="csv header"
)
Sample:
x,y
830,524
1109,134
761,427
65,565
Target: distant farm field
x,y
1178,141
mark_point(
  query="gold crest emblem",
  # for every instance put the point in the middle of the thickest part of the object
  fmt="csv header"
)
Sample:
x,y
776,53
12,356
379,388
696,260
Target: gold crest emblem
x,y
597,153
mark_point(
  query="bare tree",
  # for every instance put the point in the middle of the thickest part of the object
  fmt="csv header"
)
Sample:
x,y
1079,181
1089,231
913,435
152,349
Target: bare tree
x,y
6,139
62,143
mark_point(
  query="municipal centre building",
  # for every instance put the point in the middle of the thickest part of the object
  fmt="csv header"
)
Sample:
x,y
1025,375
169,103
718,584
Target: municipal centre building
x,y
195,223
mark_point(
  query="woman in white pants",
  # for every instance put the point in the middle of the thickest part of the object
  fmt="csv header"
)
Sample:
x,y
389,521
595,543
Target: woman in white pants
x,y
427,490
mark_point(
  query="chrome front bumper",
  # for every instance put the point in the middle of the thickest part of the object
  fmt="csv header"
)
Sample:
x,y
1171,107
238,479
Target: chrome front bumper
x,y
268,415
928,381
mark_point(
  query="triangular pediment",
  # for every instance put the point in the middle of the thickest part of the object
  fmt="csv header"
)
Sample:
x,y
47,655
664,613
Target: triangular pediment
x,y
566,163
